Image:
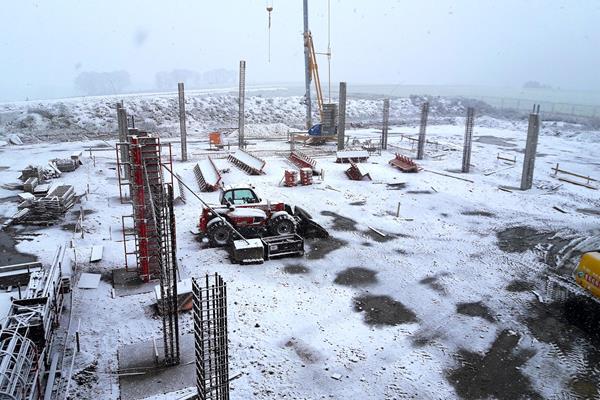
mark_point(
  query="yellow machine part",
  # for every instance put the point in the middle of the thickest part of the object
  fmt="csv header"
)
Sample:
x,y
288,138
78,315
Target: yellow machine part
x,y
587,273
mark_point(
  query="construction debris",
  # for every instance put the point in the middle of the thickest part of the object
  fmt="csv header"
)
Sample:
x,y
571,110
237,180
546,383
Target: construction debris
x,y
248,163
355,174
404,163
207,175
345,156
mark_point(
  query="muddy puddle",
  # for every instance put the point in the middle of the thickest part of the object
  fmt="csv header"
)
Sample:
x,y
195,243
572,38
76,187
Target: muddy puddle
x,y
341,223
488,139
519,285
495,374
319,248
8,252
296,269
356,277
383,311
519,239
572,331
475,309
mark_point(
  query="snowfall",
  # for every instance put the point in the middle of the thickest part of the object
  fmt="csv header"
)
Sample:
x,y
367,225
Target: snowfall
x,y
432,284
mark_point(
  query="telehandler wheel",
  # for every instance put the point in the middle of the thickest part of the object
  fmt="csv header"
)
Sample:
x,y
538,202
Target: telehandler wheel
x,y
219,234
283,224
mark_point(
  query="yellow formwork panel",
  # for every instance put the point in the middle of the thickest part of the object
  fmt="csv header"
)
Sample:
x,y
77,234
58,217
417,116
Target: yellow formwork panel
x,y
587,273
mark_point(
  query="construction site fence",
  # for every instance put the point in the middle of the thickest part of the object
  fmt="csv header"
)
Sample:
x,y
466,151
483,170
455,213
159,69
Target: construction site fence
x,y
547,108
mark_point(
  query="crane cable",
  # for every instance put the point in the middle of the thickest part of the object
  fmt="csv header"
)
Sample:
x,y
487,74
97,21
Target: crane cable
x,y
269,10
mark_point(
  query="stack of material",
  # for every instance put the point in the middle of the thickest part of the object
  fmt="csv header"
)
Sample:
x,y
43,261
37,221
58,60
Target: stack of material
x,y
47,210
30,184
66,164
39,172
31,172
306,176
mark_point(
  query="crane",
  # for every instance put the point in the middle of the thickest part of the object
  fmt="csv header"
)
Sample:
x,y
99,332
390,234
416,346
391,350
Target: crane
x,y
314,70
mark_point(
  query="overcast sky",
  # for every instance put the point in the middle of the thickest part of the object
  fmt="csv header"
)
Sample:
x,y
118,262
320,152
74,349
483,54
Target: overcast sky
x,y
44,45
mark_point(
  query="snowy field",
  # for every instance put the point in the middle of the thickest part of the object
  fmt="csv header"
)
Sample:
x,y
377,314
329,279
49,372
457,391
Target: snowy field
x,y
445,305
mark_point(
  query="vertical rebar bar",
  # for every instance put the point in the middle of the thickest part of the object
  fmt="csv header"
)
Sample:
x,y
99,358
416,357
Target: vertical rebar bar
x,y
386,121
182,126
341,129
242,91
468,143
422,131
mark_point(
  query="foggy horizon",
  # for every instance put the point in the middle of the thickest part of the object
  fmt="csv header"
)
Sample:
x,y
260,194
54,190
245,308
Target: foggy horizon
x,y
46,47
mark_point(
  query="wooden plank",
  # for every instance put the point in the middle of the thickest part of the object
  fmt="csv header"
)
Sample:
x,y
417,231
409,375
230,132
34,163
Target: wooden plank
x,y
448,175
578,183
51,377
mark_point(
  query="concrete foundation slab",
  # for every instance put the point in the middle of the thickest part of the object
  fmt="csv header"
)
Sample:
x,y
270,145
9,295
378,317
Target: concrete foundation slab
x,y
141,377
128,283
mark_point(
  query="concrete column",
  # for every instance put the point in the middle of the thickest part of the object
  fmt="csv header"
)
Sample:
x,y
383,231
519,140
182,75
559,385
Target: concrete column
x,y
242,92
422,131
386,122
466,163
533,132
341,130
182,127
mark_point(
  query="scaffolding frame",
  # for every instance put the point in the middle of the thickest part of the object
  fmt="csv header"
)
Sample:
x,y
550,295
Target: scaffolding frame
x,y
144,164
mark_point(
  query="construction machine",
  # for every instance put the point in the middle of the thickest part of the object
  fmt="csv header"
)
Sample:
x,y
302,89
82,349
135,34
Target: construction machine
x,y
242,213
580,294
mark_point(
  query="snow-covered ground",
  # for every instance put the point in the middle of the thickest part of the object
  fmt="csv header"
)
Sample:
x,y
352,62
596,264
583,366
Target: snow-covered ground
x,y
444,306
